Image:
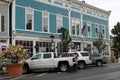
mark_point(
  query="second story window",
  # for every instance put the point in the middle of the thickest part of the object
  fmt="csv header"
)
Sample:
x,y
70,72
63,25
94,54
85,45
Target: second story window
x,y
29,18
2,23
103,32
59,22
89,29
96,31
45,21
75,27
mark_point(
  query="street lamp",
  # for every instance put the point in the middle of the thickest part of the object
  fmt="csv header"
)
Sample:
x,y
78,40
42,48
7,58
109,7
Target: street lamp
x,y
52,43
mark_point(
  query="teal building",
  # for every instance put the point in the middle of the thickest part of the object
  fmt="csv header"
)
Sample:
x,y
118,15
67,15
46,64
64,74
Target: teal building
x,y
35,24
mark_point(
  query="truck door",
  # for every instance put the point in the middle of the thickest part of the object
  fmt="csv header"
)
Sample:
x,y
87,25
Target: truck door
x,y
35,61
47,60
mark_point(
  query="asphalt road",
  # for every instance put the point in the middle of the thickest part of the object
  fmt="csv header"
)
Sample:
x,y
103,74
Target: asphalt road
x,y
107,72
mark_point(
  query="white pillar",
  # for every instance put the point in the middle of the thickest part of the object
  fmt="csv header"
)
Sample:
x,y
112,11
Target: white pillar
x,y
82,43
34,49
13,23
69,15
56,49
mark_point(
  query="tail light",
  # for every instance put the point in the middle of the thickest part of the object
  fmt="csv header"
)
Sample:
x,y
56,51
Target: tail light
x,y
74,59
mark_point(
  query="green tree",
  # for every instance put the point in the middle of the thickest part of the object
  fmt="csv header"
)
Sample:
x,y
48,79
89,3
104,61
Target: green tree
x,y
99,44
116,32
65,38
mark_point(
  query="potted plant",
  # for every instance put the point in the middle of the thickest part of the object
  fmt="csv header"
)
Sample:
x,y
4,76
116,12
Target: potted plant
x,y
14,55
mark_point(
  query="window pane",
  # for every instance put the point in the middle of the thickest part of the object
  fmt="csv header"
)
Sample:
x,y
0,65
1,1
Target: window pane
x,y
78,29
45,22
29,22
2,24
84,54
47,56
59,22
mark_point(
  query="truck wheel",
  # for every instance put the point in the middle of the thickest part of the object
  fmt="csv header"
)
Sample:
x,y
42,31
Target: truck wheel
x,y
63,67
81,65
99,63
26,69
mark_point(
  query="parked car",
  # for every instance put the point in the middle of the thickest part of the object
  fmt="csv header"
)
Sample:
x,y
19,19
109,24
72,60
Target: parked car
x,y
48,60
83,59
98,59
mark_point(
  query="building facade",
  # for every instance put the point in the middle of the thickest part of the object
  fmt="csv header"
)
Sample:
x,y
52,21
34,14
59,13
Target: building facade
x,y
4,23
34,21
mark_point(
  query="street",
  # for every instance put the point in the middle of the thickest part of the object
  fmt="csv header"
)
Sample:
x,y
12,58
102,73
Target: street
x,y
107,72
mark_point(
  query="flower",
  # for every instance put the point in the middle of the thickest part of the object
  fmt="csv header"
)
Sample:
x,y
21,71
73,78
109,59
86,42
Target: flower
x,y
14,53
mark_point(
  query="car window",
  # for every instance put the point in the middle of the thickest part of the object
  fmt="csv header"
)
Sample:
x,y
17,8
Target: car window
x,y
95,55
37,56
84,54
46,55
65,55
73,54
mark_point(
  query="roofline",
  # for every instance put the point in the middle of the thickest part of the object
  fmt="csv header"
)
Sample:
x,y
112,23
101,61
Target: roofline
x,y
83,3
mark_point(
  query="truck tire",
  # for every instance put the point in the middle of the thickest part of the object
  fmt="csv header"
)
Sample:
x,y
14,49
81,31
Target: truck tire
x,y
99,63
63,67
81,65
26,69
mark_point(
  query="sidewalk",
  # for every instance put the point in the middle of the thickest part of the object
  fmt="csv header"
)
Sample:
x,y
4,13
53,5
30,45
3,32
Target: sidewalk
x,y
4,75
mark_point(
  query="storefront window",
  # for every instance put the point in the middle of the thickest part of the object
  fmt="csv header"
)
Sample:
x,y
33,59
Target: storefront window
x,y
27,45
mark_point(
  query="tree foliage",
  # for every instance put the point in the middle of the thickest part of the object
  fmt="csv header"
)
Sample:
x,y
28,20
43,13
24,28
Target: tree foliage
x,y
99,44
65,38
116,32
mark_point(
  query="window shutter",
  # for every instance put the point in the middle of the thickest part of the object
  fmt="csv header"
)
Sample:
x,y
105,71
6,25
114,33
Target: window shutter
x,y
2,24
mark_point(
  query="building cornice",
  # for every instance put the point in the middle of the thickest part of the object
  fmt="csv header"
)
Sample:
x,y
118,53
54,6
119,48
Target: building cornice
x,y
82,4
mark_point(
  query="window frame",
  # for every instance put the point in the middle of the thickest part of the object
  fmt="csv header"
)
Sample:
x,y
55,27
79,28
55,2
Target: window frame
x,y
89,32
96,27
30,13
103,35
59,18
50,56
43,13
75,22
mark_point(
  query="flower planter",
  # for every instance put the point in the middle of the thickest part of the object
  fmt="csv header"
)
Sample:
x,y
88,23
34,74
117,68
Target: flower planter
x,y
14,69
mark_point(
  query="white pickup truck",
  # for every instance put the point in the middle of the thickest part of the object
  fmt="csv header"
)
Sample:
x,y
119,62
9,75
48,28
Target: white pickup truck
x,y
48,60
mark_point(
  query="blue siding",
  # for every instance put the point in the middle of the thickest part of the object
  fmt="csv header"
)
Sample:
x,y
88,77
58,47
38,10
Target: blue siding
x,y
52,23
66,23
85,31
107,32
95,20
75,14
20,18
53,10
93,30
42,7
37,21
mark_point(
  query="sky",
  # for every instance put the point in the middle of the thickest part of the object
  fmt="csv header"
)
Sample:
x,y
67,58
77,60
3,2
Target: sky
x,y
108,5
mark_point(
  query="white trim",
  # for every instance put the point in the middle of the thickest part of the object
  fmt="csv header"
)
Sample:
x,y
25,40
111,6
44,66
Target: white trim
x,y
59,18
31,13
103,28
48,21
89,25
75,21
97,26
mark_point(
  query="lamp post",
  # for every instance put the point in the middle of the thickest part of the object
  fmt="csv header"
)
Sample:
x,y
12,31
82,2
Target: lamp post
x,y
52,43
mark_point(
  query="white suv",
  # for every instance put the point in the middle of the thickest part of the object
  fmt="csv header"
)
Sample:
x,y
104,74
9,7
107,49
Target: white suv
x,y
83,59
